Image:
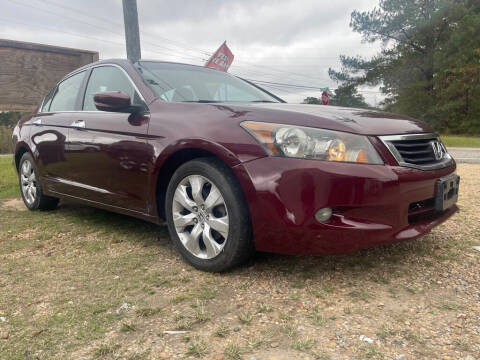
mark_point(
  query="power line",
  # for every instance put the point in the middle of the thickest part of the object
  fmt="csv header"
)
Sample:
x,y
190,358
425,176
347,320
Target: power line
x,y
172,52
56,30
182,54
105,20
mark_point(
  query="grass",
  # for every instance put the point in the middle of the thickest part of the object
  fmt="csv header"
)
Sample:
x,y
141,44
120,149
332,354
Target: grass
x,y
197,349
8,178
245,318
82,283
303,345
104,350
233,351
146,312
461,141
128,328
5,139
222,331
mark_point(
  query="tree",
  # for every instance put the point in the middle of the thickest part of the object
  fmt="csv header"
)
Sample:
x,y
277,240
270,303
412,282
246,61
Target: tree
x,y
346,95
312,100
10,118
429,47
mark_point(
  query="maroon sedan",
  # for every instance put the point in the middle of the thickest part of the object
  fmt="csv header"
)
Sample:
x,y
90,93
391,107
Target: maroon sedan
x,y
231,167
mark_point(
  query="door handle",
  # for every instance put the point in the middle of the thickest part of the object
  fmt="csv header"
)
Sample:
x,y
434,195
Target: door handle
x,y
79,124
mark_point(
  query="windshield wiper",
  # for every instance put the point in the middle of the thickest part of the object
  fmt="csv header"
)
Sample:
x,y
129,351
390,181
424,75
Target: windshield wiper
x,y
263,101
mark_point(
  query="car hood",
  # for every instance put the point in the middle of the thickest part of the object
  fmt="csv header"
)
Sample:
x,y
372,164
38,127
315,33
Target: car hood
x,y
359,121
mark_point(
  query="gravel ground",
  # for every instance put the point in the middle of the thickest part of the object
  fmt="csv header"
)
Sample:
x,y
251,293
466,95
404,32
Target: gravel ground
x,y
80,283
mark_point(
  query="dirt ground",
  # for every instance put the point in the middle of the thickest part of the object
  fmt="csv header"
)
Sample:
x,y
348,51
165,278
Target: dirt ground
x,y
81,283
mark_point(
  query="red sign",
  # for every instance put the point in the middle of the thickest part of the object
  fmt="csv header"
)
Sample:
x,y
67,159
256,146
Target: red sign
x,y
221,59
324,98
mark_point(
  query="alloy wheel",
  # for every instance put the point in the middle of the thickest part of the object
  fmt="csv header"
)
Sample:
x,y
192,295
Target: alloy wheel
x,y
200,216
29,182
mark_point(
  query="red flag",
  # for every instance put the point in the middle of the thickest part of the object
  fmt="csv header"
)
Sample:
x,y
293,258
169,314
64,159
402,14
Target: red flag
x,y
221,59
324,98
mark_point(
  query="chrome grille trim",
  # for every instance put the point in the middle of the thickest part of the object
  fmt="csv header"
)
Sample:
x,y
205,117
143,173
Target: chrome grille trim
x,y
389,142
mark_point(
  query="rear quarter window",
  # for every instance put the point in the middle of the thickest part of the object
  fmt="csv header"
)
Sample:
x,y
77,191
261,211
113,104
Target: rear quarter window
x,y
66,93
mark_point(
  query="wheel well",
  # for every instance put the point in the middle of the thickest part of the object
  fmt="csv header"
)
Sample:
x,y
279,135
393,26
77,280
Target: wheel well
x,y
169,167
18,155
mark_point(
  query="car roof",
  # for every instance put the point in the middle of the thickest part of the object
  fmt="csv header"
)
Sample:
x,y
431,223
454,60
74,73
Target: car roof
x,y
126,63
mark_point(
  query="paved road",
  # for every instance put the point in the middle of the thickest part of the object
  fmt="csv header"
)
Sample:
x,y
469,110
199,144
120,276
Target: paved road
x,y
465,155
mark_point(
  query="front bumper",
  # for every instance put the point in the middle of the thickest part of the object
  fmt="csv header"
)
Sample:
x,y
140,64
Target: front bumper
x,y
372,204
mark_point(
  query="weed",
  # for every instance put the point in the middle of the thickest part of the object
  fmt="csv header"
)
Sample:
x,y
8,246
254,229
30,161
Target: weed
x,y
197,349
145,312
233,351
222,331
128,327
369,351
104,350
264,308
304,346
245,318
206,294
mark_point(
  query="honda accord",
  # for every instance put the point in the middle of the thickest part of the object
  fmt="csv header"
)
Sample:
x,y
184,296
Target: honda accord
x,y
229,166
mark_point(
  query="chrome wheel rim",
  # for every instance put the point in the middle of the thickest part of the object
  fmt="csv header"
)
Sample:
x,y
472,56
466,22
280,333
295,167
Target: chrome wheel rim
x,y
200,217
29,182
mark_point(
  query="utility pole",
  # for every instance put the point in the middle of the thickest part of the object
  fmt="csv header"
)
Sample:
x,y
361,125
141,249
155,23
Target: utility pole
x,y
132,34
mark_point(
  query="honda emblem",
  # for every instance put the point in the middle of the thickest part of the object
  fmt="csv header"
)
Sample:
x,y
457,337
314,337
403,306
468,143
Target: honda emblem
x,y
438,149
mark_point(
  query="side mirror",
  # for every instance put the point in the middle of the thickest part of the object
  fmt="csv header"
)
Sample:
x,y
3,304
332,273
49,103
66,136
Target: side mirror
x,y
114,101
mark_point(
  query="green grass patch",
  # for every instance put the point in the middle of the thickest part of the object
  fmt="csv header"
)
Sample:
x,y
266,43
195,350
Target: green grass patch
x,y
461,141
8,178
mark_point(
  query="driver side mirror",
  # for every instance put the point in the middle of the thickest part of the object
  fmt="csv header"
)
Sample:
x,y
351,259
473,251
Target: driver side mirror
x,y
115,101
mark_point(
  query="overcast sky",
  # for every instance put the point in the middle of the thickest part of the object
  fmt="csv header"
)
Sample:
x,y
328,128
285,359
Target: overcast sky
x,y
285,41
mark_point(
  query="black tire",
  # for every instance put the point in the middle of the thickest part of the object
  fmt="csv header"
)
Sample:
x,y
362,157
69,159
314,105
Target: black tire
x,y
238,247
42,201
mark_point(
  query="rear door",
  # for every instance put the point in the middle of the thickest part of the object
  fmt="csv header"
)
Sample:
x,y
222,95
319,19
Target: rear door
x,y
50,131
109,155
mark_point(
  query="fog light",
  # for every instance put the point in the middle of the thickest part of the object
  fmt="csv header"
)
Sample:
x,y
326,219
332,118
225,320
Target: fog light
x,y
324,214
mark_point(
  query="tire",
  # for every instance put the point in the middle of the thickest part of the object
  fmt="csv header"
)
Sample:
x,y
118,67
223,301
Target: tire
x,y
34,199
201,221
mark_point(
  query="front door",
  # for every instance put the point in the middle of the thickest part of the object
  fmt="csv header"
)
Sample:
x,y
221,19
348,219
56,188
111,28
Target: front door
x,y
109,156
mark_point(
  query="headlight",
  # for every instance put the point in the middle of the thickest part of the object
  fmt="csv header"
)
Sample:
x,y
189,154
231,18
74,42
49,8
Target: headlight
x,y
312,143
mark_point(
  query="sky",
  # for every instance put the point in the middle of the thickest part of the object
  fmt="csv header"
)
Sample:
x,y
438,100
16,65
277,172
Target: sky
x,y
283,41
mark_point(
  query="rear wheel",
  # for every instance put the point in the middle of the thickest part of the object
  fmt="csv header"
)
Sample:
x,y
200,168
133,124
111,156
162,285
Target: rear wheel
x,y
30,187
207,216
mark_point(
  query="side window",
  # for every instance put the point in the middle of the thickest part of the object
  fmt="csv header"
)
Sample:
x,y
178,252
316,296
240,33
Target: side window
x,y
108,78
65,97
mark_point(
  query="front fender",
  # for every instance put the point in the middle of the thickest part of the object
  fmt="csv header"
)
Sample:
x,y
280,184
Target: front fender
x,y
162,155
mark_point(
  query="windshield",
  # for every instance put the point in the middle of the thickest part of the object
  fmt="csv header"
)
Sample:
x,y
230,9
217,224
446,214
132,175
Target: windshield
x,y
187,83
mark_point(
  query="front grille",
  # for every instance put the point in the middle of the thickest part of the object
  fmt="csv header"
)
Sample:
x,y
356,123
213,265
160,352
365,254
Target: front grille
x,y
424,151
416,151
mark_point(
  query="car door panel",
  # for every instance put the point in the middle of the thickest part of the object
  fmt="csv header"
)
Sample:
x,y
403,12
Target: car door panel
x,y
108,152
109,159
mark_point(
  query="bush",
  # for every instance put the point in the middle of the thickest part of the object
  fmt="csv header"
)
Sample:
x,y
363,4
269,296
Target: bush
x,y
5,140
8,120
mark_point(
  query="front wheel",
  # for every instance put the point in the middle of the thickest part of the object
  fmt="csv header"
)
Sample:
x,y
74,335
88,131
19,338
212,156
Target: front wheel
x,y
30,187
207,216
